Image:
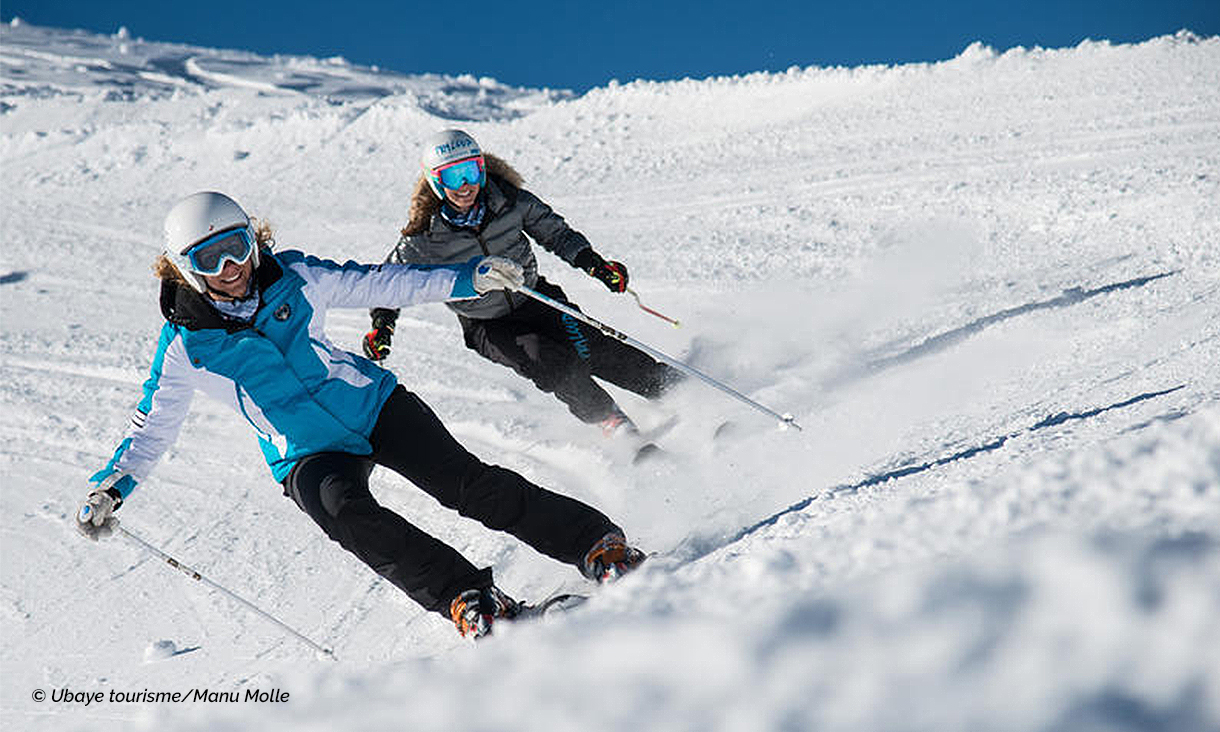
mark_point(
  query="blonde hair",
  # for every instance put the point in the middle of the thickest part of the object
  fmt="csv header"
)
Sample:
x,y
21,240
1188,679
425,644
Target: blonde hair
x,y
164,269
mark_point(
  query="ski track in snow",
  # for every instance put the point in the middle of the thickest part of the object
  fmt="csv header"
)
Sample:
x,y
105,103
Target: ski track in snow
x,y
987,288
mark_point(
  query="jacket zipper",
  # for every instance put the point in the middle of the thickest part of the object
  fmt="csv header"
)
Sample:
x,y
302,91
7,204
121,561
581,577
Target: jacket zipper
x,y
478,235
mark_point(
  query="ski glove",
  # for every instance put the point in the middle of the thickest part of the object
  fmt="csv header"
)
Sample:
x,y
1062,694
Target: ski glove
x,y
95,519
612,274
376,342
497,273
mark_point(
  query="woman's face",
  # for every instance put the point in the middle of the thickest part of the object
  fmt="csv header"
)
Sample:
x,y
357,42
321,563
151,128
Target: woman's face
x,y
233,282
463,198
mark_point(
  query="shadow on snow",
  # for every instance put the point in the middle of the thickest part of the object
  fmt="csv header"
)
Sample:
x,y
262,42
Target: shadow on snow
x,y
1070,296
693,550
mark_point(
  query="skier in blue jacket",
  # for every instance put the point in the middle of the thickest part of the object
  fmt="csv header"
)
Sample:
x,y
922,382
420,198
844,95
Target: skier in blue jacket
x,y
246,326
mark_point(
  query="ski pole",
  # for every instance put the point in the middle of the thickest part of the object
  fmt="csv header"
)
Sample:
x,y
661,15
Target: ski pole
x,y
785,419
650,311
197,576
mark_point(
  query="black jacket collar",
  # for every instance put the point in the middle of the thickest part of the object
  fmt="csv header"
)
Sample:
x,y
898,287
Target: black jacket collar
x,y
182,305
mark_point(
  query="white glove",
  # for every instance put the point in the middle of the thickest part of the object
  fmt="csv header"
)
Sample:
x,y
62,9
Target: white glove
x,y
497,273
96,519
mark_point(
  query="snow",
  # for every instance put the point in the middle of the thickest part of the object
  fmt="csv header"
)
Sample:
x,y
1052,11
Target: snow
x,y
987,288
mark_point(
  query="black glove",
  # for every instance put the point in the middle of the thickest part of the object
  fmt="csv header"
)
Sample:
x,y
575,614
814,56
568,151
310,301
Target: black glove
x,y
612,274
377,341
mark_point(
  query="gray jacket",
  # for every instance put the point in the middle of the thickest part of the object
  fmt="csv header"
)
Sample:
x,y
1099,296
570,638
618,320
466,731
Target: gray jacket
x,y
512,212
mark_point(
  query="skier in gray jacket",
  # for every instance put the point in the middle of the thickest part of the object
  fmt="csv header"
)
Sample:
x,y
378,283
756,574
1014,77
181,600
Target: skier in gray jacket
x,y
467,203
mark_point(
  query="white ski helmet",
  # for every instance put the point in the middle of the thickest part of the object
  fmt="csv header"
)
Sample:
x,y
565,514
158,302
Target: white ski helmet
x,y
443,148
197,217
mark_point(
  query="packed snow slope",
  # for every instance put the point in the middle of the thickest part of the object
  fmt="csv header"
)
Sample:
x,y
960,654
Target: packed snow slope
x,y
988,289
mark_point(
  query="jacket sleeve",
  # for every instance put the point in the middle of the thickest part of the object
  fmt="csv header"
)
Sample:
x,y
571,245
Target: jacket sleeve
x,y
399,254
404,252
158,417
549,229
354,285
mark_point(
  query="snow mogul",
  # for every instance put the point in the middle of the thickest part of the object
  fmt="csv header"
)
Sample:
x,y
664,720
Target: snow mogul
x,y
467,203
245,325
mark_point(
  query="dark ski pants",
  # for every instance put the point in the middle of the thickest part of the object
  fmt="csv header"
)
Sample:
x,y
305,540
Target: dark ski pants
x,y
560,355
332,487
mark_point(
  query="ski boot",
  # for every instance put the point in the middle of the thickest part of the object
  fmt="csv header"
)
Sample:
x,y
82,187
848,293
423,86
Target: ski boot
x,y
611,558
475,611
618,424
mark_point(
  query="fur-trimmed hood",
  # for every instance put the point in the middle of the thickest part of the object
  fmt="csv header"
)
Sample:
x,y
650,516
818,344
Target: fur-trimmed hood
x,y
425,204
514,221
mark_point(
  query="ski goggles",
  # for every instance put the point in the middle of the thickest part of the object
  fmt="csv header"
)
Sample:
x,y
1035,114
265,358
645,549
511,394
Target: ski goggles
x,y
455,175
208,257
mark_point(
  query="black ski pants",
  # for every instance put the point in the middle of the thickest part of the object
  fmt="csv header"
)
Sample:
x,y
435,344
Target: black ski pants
x,y
332,487
560,354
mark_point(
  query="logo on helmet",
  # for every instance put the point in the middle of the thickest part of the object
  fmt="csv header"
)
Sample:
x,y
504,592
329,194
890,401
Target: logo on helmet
x,y
451,147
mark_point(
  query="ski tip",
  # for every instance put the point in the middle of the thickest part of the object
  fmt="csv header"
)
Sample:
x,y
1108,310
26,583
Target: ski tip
x,y
647,452
565,600
554,604
726,429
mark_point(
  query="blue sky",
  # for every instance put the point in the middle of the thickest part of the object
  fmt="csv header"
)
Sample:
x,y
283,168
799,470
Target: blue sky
x,y
581,44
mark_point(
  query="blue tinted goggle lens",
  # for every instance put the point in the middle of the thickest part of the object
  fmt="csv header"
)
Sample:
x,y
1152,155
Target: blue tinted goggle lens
x,y
460,173
208,256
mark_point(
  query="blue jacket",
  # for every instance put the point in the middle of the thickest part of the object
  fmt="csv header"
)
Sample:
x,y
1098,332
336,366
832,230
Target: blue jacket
x,y
300,393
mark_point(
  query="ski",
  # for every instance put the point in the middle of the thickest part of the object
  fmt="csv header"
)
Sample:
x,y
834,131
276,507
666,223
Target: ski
x,y
560,602
726,430
647,449
647,452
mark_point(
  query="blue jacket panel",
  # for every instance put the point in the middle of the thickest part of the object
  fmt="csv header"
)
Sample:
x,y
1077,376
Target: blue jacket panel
x,y
301,394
